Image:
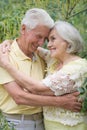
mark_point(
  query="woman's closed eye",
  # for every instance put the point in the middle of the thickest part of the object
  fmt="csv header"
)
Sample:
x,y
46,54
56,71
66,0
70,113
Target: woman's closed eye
x,y
52,39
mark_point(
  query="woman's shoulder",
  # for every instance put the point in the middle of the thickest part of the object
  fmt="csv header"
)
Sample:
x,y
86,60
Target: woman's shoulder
x,y
76,65
80,62
77,62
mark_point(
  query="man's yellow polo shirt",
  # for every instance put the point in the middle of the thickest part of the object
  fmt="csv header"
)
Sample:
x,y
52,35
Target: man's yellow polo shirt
x,y
34,69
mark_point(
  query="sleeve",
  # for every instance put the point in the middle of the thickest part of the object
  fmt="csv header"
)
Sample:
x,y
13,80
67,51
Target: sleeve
x,y
61,83
44,54
5,76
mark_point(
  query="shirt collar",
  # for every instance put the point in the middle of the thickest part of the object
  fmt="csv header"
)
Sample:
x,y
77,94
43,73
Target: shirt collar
x,y
20,54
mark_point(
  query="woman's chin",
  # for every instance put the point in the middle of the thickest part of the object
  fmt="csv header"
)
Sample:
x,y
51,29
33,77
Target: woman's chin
x,y
53,56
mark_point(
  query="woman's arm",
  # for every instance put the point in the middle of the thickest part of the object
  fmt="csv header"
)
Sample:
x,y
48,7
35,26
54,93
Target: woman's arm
x,y
22,79
29,83
6,45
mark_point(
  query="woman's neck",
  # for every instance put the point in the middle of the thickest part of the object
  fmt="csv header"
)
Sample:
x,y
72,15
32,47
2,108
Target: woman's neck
x,y
68,58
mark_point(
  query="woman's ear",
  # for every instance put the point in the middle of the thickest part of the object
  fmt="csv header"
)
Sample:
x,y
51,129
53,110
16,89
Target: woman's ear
x,y
68,48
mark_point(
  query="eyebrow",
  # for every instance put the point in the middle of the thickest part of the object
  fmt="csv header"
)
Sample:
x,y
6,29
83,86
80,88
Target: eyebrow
x,y
52,35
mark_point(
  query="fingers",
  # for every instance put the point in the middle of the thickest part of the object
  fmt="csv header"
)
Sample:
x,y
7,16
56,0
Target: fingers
x,y
5,46
77,106
73,103
77,109
76,93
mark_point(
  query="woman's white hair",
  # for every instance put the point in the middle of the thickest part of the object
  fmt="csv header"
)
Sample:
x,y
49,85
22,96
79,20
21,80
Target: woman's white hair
x,y
71,35
36,16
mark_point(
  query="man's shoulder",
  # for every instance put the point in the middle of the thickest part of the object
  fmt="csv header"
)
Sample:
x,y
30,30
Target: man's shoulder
x,y
5,76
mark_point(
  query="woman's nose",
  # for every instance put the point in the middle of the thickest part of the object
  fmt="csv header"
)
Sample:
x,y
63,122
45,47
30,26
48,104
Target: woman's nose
x,y
49,44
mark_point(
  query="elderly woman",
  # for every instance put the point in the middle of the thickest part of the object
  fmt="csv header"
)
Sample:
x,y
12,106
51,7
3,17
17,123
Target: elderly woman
x,y
64,45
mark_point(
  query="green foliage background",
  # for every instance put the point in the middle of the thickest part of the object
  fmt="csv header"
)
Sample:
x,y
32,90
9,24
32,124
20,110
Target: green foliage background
x,y
12,12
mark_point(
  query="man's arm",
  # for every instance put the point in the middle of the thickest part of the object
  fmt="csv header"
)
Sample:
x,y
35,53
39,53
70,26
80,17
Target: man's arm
x,y
22,97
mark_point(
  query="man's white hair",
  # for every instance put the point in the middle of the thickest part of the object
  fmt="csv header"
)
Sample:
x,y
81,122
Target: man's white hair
x,y
36,16
71,35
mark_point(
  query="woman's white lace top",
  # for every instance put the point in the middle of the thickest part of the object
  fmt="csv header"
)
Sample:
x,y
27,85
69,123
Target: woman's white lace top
x,y
66,80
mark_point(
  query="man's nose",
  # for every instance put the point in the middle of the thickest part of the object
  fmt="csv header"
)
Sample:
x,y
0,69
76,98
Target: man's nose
x,y
41,42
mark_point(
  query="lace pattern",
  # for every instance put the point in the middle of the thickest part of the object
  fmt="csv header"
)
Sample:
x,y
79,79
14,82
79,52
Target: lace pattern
x,y
64,116
62,83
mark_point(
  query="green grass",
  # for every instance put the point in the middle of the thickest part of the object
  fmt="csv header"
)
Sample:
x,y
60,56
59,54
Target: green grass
x,y
4,124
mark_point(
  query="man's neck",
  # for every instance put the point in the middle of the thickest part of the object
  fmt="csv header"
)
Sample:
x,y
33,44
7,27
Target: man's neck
x,y
21,44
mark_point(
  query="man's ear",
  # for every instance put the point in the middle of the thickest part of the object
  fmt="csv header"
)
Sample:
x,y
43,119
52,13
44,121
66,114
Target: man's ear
x,y
23,28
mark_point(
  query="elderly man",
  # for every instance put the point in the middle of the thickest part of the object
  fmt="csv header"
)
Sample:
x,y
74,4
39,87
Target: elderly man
x,y
22,109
